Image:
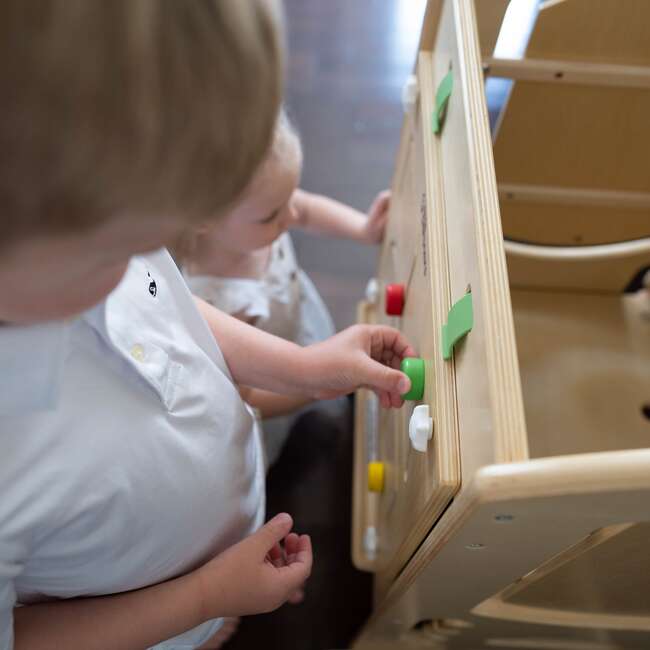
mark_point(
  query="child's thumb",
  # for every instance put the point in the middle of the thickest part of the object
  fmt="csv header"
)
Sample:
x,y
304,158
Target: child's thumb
x,y
275,530
380,377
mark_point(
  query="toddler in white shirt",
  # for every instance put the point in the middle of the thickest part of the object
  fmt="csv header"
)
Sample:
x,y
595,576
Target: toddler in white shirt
x,y
247,267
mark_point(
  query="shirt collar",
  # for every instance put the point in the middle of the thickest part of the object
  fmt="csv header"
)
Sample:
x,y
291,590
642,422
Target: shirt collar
x,y
31,359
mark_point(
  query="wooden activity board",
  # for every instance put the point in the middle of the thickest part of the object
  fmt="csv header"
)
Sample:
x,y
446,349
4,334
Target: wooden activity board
x,y
514,261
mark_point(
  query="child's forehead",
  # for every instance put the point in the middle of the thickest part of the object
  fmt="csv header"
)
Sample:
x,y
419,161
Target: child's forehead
x,y
273,180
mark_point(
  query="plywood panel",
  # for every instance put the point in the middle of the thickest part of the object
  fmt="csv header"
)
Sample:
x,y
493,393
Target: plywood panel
x,y
510,520
613,31
585,370
575,137
607,574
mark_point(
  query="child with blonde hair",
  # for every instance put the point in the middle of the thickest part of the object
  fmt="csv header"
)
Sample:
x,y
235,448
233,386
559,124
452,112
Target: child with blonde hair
x,y
131,475
247,267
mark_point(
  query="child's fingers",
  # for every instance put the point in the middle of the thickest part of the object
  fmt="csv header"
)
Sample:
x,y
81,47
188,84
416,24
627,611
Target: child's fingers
x,y
305,554
295,574
276,556
384,398
273,531
291,546
383,338
380,377
297,597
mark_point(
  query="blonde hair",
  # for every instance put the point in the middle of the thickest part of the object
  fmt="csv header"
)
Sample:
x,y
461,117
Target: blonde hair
x,y
285,151
137,106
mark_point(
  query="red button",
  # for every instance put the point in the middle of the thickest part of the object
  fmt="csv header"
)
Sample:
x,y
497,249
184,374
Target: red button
x,y
394,299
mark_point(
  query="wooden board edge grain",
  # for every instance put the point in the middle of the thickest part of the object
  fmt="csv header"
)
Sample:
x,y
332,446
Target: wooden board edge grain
x,y
444,372
502,364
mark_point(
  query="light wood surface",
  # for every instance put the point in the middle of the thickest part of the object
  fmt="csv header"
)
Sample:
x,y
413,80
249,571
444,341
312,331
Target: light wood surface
x,y
417,486
608,31
551,504
598,583
544,546
585,369
489,16
576,122
444,235
575,136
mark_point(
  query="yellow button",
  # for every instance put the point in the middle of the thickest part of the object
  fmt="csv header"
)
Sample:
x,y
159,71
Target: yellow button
x,y
376,476
137,352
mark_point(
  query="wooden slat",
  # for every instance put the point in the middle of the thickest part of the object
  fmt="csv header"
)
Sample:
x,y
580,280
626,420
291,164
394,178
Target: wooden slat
x,y
569,72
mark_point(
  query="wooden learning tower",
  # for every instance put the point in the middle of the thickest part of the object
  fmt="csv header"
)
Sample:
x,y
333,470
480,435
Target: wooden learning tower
x,y
507,504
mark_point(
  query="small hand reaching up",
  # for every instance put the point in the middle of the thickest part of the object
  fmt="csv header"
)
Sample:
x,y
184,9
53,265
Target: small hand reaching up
x,y
375,226
361,356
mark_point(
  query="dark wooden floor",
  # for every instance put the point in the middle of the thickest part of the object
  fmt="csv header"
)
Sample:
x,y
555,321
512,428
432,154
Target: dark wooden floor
x,y
347,64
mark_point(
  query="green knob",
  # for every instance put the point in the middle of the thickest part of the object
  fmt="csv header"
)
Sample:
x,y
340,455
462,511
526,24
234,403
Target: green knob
x,y
414,369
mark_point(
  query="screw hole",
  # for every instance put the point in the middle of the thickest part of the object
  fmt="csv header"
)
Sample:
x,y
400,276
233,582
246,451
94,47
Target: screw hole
x,y
559,75
645,410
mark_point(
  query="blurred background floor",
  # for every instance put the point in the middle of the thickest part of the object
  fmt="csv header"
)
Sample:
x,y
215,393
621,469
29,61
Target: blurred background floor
x,y
348,62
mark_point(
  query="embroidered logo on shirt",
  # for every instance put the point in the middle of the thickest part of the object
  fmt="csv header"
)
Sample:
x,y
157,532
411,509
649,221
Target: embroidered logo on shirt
x,y
153,288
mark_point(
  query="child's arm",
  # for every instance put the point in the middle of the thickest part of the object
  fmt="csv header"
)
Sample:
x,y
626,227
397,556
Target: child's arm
x,y
251,577
324,216
362,355
271,404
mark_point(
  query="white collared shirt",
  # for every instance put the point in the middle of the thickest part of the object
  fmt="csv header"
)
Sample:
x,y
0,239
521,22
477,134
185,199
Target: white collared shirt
x,y
126,454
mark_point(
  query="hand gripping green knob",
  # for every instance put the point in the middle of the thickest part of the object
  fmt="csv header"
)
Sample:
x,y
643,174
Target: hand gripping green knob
x,y
414,369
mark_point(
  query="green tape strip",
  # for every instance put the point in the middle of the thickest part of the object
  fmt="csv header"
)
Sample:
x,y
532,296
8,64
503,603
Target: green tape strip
x,y
442,99
460,321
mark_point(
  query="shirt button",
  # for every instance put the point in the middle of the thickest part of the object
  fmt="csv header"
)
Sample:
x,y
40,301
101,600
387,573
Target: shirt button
x,y
137,352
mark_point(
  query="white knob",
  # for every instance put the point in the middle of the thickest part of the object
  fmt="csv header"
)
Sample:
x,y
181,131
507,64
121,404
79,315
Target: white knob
x,y
409,94
420,428
372,291
370,541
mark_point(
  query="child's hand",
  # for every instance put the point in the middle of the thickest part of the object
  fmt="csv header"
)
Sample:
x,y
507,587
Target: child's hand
x,y
360,356
373,231
256,575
